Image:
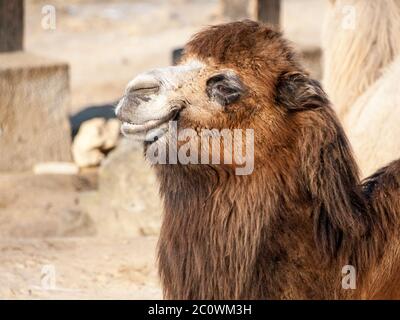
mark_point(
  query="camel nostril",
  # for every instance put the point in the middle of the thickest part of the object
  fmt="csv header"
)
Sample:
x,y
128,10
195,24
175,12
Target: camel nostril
x,y
144,88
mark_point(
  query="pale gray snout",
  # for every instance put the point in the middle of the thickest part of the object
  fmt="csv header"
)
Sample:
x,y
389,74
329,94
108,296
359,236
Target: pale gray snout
x,y
153,98
139,92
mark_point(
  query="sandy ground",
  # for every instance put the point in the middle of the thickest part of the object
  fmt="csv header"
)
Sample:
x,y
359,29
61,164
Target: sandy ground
x,y
78,268
44,205
48,248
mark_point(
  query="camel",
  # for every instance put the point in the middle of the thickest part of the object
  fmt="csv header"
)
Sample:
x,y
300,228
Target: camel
x,y
372,122
289,228
361,67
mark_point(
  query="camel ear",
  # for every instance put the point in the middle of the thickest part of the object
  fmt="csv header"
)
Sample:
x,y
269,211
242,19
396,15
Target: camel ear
x,y
339,210
296,92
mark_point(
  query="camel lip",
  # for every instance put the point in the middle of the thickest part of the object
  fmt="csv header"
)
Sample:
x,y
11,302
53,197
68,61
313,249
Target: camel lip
x,y
134,129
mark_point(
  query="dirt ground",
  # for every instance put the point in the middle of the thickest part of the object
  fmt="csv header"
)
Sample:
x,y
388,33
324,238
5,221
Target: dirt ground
x,y
78,268
48,247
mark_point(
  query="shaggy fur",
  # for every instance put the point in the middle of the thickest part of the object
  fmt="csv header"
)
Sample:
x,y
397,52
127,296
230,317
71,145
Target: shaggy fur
x,y
286,230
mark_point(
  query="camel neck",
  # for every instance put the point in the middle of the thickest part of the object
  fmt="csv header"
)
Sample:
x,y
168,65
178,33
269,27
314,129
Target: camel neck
x,y
232,237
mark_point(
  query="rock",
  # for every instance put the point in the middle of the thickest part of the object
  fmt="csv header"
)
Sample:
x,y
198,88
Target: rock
x,y
94,138
111,134
34,125
56,168
106,111
44,205
87,143
127,202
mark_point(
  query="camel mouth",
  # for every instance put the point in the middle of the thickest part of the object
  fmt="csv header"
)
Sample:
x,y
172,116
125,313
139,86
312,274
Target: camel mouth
x,y
151,130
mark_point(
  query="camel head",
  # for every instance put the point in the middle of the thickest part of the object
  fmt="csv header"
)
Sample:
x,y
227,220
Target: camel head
x,y
240,75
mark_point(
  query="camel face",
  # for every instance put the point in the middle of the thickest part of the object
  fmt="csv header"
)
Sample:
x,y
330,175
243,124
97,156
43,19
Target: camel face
x,y
232,77
192,90
191,96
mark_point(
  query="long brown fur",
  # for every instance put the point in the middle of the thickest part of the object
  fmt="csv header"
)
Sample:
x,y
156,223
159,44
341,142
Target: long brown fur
x,y
286,230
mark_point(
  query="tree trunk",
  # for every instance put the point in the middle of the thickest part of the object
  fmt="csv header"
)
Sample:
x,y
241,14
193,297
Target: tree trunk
x,y
235,9
11,25
269,11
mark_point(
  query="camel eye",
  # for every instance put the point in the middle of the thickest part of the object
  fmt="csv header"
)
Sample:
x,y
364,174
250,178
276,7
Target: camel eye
x,y
224,88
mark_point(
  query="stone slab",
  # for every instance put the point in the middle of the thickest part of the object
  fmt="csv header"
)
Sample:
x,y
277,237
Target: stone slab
x,y
34,101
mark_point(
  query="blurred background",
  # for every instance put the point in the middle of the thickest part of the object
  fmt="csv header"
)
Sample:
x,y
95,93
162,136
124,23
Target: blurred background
x,y
79,207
